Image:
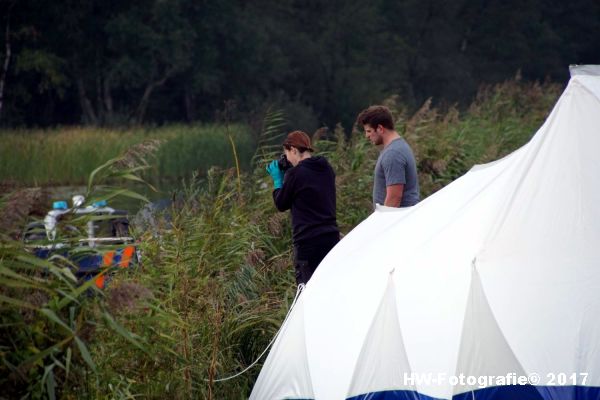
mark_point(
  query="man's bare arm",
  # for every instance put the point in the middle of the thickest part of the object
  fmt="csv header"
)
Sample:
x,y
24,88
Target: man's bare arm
x,y
393,195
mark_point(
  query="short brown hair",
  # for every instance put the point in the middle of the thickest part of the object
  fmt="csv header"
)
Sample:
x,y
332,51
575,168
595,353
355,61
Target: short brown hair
x,y
375,116
299,140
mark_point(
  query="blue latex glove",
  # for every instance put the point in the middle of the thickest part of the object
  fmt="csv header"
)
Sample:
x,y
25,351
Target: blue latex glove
x,y
276,174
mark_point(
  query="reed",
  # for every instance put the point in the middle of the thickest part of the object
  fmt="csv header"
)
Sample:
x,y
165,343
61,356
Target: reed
x,y
217,276
66,156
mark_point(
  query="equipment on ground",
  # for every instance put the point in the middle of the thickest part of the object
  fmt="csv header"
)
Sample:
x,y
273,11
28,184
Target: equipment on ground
x,y
95,238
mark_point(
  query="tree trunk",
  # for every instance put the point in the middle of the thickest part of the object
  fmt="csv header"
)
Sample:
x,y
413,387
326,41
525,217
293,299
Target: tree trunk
x,y
6,59
101,111
190,107
86,104
140,113
108,102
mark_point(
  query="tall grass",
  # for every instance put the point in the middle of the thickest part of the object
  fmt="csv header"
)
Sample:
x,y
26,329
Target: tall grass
x,y
66,156
221,273
217,277
221,278
502,118
48,316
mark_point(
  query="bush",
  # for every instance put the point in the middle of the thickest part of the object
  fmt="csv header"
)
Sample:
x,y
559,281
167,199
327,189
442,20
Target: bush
x,y
217,278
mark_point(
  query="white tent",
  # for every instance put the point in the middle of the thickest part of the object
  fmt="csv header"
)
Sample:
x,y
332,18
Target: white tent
x,y
495,278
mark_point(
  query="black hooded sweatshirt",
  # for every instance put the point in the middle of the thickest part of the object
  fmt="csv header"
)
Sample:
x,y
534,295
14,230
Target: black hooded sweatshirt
x,y
309,190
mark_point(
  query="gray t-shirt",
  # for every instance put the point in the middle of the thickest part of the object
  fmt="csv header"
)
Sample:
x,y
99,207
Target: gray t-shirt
x,y
396,165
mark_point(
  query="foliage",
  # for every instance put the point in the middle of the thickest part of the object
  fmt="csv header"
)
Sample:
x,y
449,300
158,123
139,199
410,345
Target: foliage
x,y
501,119
221,284
47,315
68,155
220,269
217,277
115,63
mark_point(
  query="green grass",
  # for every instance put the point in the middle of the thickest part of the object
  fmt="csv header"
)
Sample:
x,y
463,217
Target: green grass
x,y
66,156
217,277
222,278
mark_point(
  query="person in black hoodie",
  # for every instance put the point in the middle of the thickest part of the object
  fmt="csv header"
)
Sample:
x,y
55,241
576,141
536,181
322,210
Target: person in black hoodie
x,y
308,189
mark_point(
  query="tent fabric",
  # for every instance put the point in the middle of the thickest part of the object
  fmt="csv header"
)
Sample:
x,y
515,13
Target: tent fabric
x,y
584,70
287,358
384,337
497,273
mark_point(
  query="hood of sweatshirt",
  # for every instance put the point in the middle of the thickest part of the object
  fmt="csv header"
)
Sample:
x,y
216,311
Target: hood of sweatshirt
x,y
315,163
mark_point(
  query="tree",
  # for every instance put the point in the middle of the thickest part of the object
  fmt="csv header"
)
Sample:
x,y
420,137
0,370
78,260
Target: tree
x,y
7,53
139,47
124,61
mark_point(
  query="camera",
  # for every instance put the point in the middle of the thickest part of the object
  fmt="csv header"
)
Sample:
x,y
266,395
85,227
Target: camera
x,y
283,163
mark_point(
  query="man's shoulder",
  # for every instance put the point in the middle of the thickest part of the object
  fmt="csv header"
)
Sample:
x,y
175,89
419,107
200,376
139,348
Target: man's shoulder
x,y
394,148
399,143
398,147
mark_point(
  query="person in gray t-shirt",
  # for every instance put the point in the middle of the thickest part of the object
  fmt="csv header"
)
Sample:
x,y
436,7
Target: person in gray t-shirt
x,y
396,181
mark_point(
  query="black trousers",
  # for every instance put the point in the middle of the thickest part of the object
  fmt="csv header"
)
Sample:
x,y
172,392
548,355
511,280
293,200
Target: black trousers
x,y
308,255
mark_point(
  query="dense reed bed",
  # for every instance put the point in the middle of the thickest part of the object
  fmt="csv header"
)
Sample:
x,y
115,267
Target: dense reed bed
x,y
216,279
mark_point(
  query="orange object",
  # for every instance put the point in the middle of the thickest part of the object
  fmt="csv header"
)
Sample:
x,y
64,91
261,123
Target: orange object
x,y
108,258
100,281
107,261
126,256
